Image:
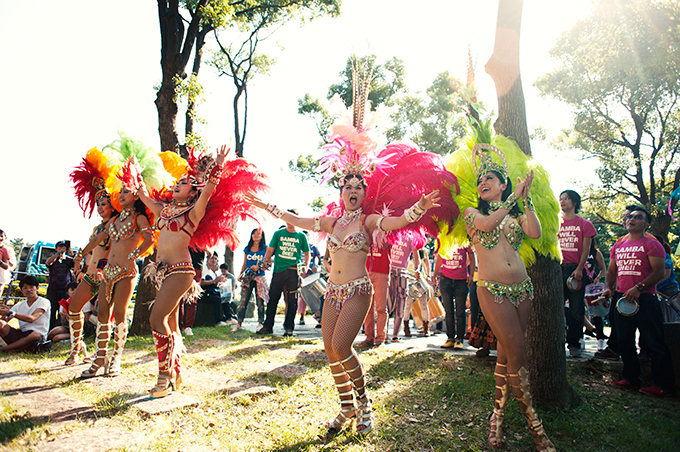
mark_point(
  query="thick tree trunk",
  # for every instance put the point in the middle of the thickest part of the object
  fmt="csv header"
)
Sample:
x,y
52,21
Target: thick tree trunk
x,y
545,333
146,292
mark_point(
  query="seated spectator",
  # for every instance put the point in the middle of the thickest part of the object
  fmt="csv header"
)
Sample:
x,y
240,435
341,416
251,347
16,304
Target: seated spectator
x,y
211,291
61,332
33,315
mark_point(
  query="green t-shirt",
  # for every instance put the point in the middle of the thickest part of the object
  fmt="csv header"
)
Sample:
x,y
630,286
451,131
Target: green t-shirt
x,y
288,248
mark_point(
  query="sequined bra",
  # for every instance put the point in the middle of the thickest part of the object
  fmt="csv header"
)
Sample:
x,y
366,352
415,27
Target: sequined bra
x,y
97,230
489,239
352,243
173,216
126,231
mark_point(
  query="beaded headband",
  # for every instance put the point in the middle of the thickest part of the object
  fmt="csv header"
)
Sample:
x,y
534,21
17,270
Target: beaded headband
x,y
481,151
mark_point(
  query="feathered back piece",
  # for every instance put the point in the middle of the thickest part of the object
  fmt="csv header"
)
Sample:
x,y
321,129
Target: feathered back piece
x,y
519,164
227,205
88,180
408,174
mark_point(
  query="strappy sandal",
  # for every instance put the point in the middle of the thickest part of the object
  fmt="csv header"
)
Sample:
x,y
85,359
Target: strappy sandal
x,y
348,410
73,356
164,385
94,368
365,417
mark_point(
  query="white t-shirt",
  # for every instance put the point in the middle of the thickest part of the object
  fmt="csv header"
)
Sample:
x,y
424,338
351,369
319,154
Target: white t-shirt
x,y
42,323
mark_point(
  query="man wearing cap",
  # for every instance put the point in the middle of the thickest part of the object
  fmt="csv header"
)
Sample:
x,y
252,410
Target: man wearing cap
x,y
574,236
59,266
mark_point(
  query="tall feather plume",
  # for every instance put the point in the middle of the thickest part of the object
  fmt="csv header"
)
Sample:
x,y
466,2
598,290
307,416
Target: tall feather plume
x,y
88,179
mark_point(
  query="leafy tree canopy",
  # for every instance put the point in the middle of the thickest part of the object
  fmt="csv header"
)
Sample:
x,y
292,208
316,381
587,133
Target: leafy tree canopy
x,y
620,71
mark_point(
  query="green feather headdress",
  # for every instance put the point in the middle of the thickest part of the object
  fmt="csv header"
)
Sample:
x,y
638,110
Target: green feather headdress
x,y
519,164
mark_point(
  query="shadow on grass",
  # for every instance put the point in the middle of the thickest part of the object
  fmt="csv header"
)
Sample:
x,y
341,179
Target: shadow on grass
x,y
14,425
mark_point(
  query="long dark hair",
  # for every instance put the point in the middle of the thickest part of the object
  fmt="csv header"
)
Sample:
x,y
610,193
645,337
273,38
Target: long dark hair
x,y
483,206
263,240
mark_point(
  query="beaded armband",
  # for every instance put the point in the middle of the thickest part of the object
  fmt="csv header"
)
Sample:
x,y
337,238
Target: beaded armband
x,y
275,211
317,224
414,213
508,203
528,204
469,219
378,223
134,255
151,228
214,173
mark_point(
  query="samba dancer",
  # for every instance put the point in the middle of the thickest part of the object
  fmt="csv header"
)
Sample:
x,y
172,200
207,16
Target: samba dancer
x,y
130,236
497,228
88,181
174,273
379,193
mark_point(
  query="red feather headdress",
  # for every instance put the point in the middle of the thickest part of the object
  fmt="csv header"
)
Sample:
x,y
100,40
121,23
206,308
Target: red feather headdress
x,y
88,180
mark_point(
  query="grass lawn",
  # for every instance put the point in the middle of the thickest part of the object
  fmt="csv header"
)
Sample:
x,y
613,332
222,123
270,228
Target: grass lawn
x,y
423,401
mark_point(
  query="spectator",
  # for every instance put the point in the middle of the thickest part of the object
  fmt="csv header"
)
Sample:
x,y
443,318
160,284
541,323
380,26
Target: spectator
x,y
315,256
636,266
399,260
289,248
187,307
60,266
8,261
211,291
61,332
33,315
574,236
455,278
375,325
255,279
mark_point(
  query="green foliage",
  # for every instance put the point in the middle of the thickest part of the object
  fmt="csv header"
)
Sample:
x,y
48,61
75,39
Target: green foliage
x,y
317,204
17,244
434,121
386,86
620,72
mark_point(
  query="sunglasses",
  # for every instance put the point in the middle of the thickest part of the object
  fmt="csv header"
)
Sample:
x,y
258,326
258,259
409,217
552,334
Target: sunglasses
x,y
636,217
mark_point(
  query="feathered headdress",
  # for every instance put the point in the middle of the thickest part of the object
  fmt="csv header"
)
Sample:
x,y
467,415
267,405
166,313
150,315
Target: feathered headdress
x,y
129,157
88,180
519,164
352,149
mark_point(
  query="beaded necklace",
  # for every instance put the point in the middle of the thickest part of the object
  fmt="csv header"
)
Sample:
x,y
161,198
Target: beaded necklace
x,y
348,216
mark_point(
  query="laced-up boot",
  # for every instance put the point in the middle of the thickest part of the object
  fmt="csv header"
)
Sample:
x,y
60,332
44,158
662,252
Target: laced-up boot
x,y
101,360
496,436
364,408
519,383
119,339
75,326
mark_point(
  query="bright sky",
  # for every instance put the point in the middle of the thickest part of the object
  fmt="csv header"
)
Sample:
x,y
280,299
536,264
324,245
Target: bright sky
x,y
75,72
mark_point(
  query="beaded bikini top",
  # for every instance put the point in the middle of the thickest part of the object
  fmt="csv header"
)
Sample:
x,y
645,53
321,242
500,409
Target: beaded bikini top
x,y
127,230
353,242
489,239
176,218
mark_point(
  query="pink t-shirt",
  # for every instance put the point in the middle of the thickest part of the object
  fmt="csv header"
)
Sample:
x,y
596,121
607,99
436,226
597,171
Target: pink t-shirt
x,y
456,267
571,235
632,262
378,260
401,252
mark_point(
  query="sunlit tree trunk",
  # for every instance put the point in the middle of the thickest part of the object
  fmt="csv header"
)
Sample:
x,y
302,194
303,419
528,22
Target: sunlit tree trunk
x,y
545,334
